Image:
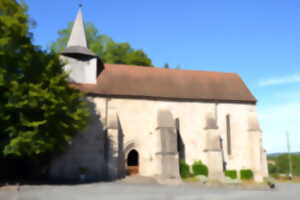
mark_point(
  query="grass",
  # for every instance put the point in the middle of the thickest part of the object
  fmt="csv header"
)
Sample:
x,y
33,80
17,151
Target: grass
x,y
190,179
286,180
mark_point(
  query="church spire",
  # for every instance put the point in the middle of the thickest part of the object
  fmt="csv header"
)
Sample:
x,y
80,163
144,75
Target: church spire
x,y
77,37
81,63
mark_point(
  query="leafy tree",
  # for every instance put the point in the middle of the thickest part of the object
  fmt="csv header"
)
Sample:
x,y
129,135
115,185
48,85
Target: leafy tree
x,y
166,66
273,169
103,45
39,112
282,163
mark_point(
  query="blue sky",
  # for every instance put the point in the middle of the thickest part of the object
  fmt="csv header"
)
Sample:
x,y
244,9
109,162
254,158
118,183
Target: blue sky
x,y
260,40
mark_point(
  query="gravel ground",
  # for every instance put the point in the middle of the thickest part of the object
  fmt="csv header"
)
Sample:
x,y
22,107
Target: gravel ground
x,y
147,191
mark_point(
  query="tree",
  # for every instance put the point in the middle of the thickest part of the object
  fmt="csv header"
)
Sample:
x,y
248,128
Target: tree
x,y
178,67
280,164
107,49
39,112
273,169
166,66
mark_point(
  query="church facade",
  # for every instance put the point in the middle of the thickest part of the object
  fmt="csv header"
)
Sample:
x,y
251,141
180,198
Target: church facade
x,y
145,120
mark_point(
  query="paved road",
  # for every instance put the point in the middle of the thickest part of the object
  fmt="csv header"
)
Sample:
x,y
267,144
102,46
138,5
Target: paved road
x,y
150,191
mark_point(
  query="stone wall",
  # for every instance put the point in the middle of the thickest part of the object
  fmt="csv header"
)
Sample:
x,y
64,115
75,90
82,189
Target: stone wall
x,y
81,69
135,121
85,151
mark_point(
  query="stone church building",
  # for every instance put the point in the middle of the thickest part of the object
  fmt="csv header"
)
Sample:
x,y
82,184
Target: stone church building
x,y
145,120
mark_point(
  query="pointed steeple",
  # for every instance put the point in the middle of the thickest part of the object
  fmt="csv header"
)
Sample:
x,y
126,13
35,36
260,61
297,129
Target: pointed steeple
x,y
77,37
82,64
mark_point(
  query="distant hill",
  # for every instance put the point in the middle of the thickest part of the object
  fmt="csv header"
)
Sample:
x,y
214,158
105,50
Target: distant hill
x,y
280,153
278,163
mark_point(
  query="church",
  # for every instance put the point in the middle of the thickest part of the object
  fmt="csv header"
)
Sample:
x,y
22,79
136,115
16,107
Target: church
x,y
145,120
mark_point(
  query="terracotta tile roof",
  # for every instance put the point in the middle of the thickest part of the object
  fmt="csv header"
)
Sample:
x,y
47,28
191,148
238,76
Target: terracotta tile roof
x,y
159,83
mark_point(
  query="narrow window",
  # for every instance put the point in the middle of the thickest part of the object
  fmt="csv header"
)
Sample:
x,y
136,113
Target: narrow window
x,y
180,144
228,134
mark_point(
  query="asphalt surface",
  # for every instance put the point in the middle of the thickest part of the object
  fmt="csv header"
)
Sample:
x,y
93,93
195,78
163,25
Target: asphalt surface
x,y
147,191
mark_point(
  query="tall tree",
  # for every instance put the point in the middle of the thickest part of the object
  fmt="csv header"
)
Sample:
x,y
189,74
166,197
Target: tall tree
x,y
166,66
39,112
178,67
107,49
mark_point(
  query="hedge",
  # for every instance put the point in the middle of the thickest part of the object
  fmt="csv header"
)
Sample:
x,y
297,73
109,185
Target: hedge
x,y
246,174
184,169
231,173
199,168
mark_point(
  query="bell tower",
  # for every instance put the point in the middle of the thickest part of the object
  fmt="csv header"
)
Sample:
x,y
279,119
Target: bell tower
x,y
81,63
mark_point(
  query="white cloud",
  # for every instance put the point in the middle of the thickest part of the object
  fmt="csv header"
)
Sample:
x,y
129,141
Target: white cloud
x,y
294,78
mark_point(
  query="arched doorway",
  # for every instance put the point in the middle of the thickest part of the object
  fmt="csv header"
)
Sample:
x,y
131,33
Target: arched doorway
x,y
133,162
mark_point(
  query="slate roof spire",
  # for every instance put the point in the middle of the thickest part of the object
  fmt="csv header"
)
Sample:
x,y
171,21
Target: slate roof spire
x,y
78,37
77,43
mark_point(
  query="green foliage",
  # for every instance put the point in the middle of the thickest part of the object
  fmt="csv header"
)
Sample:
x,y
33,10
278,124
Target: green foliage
x,y
39,112
273,169
231,173
103,45
280,165
184,170
246,174
83,170
199,168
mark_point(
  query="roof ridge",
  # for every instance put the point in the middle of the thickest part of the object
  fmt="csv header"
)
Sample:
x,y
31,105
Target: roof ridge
x,y
119,80
160,68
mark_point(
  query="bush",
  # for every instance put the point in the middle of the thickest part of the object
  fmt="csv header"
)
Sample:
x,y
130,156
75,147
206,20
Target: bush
x,y
199,168
83,170
231,174
246,174
184,169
